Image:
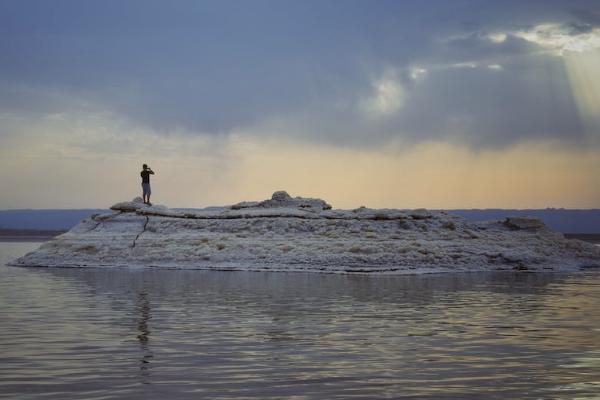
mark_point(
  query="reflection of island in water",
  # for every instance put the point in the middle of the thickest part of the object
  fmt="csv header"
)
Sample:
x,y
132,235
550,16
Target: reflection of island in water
x,y
295,304
271,333
143,307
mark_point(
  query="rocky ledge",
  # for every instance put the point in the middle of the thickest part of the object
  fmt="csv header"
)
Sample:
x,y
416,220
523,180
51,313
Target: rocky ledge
x,y
302,234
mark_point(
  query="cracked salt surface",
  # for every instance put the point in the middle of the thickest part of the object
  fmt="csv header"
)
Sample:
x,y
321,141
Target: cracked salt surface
x,y
302,234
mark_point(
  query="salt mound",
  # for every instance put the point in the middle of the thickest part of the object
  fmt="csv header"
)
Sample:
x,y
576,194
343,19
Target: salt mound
x,y
530,223
287,233
282,199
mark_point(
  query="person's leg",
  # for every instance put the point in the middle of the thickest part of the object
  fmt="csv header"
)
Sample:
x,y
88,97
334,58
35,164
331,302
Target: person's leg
x,y
145,193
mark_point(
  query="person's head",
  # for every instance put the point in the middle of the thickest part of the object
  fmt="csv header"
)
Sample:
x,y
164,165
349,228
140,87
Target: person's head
x,y
145,166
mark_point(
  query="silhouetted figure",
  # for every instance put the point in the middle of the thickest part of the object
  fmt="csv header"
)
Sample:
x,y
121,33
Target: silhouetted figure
x,y
145,174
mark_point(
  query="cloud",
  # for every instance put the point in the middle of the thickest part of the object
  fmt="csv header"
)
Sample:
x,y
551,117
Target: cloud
x,y
498,37
247,99
362,77
387,96
466,64
561,37
417,73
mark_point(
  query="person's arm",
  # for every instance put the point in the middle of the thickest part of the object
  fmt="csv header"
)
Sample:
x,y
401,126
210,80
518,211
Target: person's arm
x,y
150,171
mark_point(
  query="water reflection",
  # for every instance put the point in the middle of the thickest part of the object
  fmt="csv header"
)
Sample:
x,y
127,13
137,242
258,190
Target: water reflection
x,y
143,307
74,333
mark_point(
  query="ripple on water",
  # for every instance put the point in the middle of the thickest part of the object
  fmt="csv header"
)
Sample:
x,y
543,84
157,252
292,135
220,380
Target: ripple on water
x,y
100,334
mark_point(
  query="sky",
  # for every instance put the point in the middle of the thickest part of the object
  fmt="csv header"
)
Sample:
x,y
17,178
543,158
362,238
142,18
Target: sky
x,y
404,104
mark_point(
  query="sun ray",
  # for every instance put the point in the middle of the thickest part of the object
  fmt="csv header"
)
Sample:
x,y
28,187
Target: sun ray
x,y
584,78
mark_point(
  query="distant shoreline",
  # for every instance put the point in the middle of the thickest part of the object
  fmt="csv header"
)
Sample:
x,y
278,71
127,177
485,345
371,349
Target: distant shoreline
x,y
586,237
28,235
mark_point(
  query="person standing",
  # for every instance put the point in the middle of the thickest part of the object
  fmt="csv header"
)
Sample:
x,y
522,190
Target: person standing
x,y
145,174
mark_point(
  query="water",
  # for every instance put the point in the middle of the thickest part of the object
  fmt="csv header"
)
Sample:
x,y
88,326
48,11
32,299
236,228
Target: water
x,y
103,334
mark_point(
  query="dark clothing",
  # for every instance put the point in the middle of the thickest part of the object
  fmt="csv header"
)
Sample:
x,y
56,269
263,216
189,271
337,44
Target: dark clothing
x,y
145,174
146,189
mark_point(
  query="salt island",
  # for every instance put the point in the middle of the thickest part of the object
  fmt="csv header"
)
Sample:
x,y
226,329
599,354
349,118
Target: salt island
x,y
287,233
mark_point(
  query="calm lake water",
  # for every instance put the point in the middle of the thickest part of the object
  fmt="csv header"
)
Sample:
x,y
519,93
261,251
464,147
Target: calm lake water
x,y
104,334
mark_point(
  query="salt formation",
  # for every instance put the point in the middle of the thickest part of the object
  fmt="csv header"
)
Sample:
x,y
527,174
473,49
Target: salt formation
x,y
301,234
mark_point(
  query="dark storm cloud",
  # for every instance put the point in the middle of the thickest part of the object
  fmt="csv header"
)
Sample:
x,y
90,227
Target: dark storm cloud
x,y
215,67
488,107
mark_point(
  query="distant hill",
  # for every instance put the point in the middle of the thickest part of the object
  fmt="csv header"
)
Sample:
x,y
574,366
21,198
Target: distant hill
x,y
562,220
44,219
559,219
